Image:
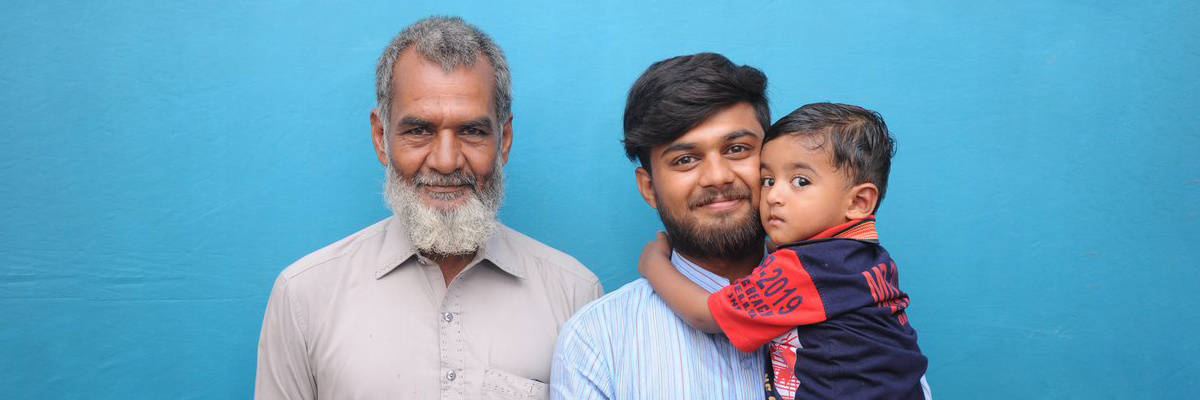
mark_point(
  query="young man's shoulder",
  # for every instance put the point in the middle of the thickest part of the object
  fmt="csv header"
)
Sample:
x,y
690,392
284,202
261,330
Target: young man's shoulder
x,y
611,312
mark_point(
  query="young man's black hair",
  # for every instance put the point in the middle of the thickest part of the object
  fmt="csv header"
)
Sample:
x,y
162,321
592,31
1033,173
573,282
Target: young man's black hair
x,y
857,138
676,94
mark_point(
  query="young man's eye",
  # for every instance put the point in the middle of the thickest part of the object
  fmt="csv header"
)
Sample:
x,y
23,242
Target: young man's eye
x,y
738,148
684,160
800,181
768,182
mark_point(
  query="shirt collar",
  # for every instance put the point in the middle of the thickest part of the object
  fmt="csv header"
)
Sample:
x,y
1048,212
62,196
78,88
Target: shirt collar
x,y
501,250
859,229
703,277
397,249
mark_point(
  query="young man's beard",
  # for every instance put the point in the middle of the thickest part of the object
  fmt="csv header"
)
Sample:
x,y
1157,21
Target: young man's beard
x,y
458,230
735,235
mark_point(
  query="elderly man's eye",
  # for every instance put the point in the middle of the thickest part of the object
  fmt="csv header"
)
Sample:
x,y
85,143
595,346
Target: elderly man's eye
x,y
417,131
800,181
474,132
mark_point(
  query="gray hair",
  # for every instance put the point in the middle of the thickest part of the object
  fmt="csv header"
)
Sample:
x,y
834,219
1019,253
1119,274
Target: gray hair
x,y
452,43
460,230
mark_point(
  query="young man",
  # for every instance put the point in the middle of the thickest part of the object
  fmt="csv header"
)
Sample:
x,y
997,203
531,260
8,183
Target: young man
x,y
695,124
828,300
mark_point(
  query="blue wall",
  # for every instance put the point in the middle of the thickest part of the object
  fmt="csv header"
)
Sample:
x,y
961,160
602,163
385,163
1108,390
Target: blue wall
x,y
161,162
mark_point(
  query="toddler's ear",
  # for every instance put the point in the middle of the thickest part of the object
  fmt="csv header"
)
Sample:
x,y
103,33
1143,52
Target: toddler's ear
x,y
863,198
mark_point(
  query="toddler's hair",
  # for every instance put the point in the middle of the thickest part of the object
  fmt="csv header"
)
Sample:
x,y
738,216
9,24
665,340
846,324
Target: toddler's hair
x,y
858,140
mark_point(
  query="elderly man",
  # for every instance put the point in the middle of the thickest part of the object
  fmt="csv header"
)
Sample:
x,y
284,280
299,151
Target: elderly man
x,y
439,300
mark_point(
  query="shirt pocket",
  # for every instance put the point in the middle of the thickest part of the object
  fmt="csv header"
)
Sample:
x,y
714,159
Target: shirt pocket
x,y
500,385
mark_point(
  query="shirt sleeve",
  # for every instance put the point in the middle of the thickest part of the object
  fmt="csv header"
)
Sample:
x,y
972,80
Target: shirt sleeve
x,y
783,293
283,369
587,294
579,369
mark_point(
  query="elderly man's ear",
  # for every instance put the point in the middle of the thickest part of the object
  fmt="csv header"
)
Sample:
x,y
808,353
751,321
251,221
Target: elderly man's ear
x,y
645,186
506,140
377,137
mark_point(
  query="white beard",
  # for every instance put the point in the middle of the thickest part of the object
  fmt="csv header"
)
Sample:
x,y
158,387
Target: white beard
x,y
452,231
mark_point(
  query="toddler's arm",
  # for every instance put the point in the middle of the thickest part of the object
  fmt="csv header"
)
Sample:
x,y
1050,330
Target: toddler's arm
x,y
686,298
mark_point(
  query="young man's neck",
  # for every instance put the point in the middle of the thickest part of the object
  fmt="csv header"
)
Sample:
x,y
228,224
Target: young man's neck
x,y
731,268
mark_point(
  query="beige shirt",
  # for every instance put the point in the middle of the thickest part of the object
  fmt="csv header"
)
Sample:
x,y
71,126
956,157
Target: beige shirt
x,y
369,318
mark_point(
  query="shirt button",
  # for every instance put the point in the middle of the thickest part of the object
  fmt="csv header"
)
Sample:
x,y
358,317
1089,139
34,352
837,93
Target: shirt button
x,y
451,375
448,317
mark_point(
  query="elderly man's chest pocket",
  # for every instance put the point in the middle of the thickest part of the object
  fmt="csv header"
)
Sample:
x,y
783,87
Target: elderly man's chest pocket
x,y
499,385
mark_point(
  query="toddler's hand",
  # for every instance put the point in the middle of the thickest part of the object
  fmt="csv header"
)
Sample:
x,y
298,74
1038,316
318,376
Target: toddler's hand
x,y
657,250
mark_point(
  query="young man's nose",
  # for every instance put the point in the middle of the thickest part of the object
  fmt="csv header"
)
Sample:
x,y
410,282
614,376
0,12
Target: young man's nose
x,y
716,172
446,154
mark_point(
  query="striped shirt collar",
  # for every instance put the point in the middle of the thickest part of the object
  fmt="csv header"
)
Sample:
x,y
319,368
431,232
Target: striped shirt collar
x,y
703,277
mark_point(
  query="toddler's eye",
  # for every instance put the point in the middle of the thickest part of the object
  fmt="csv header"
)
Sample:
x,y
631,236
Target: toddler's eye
x,y
800,181
767,182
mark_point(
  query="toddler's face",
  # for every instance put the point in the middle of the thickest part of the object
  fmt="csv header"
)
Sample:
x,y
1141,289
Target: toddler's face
x,y
802,194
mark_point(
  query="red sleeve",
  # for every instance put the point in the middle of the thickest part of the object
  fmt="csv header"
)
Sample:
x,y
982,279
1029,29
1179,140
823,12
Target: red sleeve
x,y
777,296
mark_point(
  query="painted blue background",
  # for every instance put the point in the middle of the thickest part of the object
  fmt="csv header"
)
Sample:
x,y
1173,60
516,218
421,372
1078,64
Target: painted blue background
x,y
161,162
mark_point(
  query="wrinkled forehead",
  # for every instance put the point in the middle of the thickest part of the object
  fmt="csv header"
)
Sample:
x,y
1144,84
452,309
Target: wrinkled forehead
x,y
416,78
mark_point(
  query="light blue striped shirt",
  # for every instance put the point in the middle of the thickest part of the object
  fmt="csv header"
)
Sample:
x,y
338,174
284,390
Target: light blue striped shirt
x,y
630,345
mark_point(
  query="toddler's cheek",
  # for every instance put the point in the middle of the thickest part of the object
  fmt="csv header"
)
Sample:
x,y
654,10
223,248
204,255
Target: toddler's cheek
x,y
776,234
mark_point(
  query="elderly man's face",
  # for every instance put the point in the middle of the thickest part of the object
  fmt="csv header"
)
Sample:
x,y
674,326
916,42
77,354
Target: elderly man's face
x,y
442,124
705,185
443,150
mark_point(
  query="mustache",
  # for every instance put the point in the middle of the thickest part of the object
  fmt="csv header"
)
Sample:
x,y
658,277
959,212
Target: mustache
x,y
456,178
713,195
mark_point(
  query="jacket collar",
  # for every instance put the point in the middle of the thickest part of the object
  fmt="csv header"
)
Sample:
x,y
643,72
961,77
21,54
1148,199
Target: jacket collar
x,y
859,229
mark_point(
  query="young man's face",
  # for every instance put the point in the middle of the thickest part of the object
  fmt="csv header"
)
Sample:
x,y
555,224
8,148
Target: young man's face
x,y
802,193
705,185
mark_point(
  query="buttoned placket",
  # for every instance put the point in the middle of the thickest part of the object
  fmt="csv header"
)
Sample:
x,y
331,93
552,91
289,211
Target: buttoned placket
x,y
451,343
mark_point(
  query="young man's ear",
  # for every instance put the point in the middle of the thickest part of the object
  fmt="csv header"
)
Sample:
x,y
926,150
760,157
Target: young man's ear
x,y
645,186
863,198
